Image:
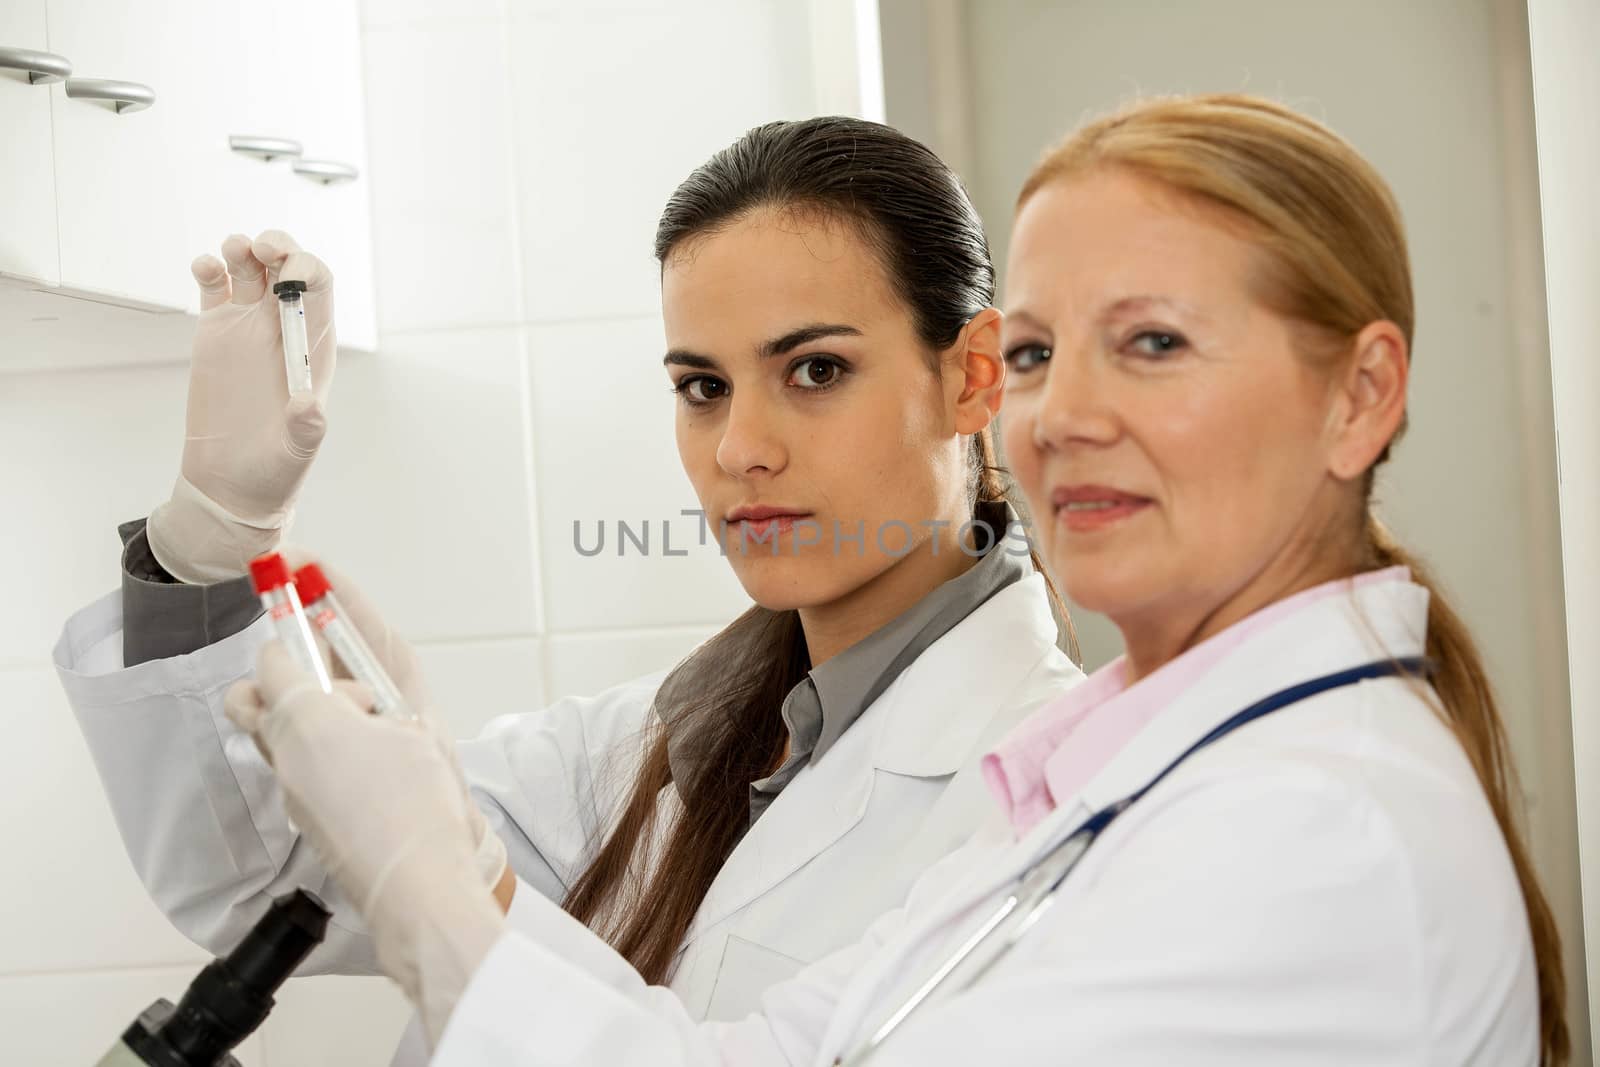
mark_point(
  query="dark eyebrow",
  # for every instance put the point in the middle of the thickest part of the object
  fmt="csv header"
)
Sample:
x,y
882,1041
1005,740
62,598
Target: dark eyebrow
x,y
684,358
778,346
804,335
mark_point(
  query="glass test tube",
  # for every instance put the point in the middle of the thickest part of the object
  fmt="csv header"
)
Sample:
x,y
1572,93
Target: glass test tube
x,y
271,576
329,618
296,349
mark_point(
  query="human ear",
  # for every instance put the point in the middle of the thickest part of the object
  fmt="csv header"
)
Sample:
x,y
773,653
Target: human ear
x,y
980,371
1371,400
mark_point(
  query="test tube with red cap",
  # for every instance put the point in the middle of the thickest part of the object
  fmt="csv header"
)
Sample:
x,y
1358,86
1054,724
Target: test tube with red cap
x,y
329,618
271,577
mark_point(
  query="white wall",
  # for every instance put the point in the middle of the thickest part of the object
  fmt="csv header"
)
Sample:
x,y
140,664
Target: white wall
x,y
1437,93
519,155
1566,37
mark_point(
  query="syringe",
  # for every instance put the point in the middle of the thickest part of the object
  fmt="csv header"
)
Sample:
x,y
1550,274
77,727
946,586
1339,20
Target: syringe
x,y
271,576
329,618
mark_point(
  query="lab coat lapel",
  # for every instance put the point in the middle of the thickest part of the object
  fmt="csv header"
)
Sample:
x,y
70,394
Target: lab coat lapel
x,y
941,706
817,808
925,724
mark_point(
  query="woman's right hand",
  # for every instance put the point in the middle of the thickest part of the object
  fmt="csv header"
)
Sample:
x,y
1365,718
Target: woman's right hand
x,y
399,660
248,445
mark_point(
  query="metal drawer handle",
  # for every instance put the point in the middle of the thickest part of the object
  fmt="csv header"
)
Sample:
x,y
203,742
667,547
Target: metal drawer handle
x,y
325,171
127,96
42,67
265,149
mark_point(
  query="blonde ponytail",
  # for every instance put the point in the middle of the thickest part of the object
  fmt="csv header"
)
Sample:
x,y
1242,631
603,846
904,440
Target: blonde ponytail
x,y
1467,704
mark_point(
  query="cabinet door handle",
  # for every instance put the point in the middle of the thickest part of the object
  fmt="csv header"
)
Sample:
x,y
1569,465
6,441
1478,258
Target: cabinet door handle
x,y
265,148
127,96
41,67
325,171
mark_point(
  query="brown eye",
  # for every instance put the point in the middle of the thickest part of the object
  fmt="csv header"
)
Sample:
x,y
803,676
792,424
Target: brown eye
x,y
699,389
815,373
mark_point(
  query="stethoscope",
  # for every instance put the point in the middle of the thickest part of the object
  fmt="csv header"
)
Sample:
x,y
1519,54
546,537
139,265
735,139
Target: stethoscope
x,y
1035,890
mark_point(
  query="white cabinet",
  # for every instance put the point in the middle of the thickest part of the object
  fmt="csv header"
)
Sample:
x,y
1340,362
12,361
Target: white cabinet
x,y
294,74
27,166
112,202
330,119
123,176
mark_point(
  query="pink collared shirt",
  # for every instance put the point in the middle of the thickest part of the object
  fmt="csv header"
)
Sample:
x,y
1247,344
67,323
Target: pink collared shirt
x,y
1060,747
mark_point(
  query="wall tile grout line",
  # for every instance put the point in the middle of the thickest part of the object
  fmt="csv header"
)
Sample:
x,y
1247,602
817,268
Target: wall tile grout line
x,y
191,969
610,318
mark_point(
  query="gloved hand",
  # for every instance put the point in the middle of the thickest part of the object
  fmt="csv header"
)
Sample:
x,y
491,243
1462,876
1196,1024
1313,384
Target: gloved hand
x,y
383,808
247,446
405,670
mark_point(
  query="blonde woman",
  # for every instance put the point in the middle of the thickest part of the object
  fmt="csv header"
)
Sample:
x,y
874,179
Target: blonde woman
x,y
1280,830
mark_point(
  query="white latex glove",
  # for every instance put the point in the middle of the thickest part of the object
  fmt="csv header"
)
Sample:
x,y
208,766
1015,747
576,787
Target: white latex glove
x,y
383,808
405,670
247,445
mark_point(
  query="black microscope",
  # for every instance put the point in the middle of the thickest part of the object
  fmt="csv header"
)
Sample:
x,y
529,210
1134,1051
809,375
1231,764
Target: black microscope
x,y
230,998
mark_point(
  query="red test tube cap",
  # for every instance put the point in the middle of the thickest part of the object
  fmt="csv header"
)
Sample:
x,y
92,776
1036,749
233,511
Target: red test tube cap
x,y
311,583
269,572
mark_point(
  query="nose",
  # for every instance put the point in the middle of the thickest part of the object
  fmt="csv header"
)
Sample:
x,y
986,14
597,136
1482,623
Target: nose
x,y
1075,405
751,445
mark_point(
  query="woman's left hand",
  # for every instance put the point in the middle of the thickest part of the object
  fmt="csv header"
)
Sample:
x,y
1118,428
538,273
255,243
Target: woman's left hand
x,y
384,809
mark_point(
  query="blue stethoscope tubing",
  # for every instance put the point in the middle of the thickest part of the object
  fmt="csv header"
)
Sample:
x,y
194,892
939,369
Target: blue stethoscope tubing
x,y
1038,885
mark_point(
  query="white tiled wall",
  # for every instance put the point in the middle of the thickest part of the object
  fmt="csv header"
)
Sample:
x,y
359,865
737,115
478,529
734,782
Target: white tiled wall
x,y
519,154
648,91
71,1019
443,189
422,488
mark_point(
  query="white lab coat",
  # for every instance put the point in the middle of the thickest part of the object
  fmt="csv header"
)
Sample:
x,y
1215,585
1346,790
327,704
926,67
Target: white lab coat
x,y
1326,886
203,821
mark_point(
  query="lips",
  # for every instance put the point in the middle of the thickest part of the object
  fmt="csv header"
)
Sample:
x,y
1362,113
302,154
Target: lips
x,y
763,512
1087,508
761,521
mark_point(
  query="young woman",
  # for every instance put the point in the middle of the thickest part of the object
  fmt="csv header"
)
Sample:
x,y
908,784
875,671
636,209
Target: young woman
x,y
1279,831
826,290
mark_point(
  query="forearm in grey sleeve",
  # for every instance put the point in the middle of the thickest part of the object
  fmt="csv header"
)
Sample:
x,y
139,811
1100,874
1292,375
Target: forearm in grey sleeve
x,y
162,617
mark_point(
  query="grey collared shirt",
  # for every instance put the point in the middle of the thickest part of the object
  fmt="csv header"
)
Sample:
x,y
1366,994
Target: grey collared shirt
x,y
830,699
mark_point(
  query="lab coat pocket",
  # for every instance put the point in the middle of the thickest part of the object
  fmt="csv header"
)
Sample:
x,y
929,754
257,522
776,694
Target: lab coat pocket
x,y
747,971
